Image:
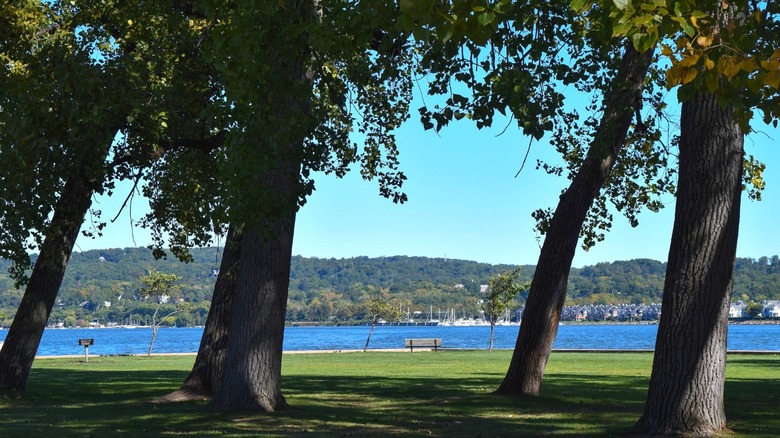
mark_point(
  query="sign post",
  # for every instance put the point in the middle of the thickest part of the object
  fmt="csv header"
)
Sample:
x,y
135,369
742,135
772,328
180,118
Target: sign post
x,y
86,343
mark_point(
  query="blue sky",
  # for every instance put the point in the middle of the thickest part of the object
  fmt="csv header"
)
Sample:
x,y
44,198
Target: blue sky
x,y
465,203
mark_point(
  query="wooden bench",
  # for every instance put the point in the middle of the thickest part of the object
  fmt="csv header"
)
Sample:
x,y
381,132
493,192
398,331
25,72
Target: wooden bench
x,y
434,343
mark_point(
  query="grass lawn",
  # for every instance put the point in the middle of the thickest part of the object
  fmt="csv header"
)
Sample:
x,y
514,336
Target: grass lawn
x,y
359,394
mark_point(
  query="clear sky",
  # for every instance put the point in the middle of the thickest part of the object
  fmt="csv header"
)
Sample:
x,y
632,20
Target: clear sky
x,y
465,203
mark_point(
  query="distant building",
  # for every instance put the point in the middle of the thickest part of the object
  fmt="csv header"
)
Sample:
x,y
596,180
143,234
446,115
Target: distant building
x,y
737,310
771,309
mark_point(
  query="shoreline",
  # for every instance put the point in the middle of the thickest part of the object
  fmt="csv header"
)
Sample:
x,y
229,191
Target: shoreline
x,y
326,324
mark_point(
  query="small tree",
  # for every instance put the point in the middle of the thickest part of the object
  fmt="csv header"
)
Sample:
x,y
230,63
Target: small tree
x,y
379,309
754,309
160,287
502,290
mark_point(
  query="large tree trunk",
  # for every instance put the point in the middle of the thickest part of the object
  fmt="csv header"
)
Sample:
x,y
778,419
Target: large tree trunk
x,y
548,287
686,385
21,343
206,373
253,368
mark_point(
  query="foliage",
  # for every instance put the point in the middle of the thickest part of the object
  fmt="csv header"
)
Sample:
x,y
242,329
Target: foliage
x,y
502,290
378,309
334,289
85,92
729,49
351,91
510,62
754,309
158,285
375,394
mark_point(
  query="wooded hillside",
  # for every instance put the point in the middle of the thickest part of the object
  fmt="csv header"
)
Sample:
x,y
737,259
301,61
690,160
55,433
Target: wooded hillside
x,y
332,289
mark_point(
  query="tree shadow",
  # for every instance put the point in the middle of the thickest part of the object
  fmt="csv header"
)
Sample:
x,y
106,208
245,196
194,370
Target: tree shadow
x,y
61,402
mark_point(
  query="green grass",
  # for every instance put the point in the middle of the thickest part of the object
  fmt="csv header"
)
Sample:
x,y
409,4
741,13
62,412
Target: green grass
x,y
354,394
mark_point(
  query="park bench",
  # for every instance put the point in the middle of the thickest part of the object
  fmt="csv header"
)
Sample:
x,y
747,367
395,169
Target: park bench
x,y
434,343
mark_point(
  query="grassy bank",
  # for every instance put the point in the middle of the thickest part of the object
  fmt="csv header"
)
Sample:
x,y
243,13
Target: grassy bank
x,y
355,394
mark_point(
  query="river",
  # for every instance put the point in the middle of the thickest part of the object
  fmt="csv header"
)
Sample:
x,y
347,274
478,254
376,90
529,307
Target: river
x,y
112,341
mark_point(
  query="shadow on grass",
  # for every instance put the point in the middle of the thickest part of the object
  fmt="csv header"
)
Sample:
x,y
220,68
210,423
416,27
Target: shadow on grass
x,y
60,402
98,402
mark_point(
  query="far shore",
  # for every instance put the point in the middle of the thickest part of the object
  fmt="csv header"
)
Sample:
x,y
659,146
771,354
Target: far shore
x,y
330,324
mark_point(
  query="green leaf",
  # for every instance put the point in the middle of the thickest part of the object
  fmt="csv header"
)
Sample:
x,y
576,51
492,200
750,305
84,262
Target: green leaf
x,y
578,5
621,29
486,19
620,4
688,28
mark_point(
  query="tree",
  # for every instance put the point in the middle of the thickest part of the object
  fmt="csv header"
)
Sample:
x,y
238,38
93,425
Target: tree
x,y
547,294
754,309
686,385
43,157
61,63
206,374
287,120
379,309
283,122
159,287
726,63
502,290
522,64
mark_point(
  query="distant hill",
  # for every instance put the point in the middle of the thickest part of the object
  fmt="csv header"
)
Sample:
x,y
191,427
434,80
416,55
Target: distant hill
x,y
322,289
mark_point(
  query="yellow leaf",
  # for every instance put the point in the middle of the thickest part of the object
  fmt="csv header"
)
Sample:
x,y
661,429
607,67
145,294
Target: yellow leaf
x,y
666,50
695,22
748,65
689,61
709,64
772,79
730,67
688,75
704,41
771,65
129,22
776,54
673,76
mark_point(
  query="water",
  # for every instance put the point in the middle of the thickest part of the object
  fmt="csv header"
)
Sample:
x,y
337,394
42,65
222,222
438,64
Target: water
x,y
187,340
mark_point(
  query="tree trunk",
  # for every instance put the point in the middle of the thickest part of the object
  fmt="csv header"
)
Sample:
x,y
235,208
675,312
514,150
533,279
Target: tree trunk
x,y
253,367
155,327
21,343
492,330
206,373
686,385
548,287
370,332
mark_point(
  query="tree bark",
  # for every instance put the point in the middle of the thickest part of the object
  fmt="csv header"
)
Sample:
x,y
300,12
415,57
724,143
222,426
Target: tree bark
x,y
370,332
206,373
253,366
24,335
686,385
548,287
